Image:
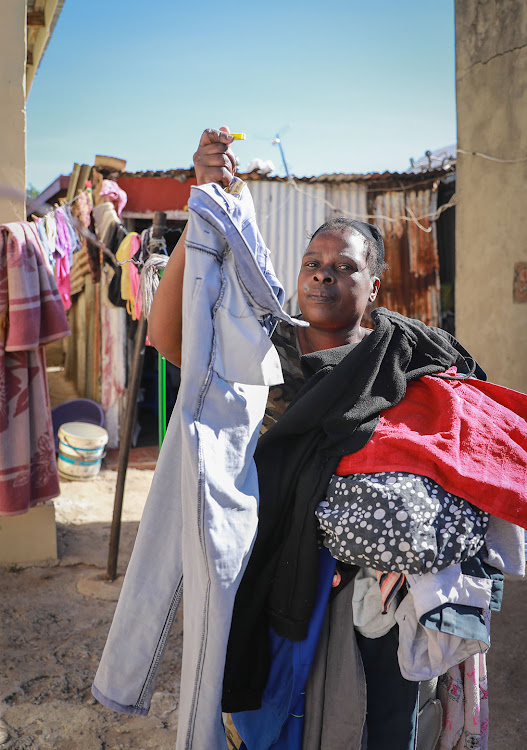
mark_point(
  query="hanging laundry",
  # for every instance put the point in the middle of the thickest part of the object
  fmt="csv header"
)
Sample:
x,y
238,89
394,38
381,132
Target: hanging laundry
x,y
40,226
111,231
109,227
75,239
117,196
113,359
127,249
81,209
63,257
51,230
31,314
135,291
66,235
144,282
88,258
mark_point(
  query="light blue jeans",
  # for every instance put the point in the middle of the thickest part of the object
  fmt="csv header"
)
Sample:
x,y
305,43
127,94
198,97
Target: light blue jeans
x,y
201,514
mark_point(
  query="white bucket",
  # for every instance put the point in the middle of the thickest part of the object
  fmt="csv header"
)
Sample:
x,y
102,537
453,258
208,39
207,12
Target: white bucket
x,y
81,450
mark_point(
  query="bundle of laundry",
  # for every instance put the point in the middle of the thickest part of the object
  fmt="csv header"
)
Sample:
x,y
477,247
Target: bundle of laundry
x,y
447,529
335,414
397,521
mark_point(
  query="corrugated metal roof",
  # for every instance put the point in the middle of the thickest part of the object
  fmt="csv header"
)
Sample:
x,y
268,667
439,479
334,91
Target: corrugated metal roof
x,y
374,178
178,174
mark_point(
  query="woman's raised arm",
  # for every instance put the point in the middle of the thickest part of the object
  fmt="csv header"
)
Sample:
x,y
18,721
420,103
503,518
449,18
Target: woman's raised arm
x,y
213,162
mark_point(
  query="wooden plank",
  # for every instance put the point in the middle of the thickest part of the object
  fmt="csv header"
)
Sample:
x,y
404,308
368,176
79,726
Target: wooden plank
x,y
36,19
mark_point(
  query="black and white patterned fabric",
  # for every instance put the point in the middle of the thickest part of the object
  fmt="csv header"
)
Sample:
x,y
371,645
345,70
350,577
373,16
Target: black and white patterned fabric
x,y
396,521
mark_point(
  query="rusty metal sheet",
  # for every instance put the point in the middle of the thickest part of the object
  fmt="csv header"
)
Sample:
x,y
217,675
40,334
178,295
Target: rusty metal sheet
x,y
411,286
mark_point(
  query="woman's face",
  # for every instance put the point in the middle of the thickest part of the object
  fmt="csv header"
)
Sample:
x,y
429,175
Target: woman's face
x,y
335,283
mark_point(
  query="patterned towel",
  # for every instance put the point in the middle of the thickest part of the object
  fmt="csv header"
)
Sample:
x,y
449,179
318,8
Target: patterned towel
x,y
31,314
463,692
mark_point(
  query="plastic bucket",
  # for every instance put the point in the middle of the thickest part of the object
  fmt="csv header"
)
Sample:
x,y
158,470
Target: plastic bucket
x,y
81,450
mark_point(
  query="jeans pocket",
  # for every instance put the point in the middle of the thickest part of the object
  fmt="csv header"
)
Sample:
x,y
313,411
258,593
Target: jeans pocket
x,y
244,352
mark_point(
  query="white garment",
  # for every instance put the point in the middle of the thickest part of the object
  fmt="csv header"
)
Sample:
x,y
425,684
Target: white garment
x,y
425,653
505,546
368,617
105,217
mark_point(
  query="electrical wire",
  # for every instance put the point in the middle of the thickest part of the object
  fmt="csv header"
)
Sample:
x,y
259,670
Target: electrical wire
x,y
432,216
492,158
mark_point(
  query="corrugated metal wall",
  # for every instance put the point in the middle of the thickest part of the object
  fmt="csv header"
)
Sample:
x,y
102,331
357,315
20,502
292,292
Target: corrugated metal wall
x,y
348,200
286,217
411,286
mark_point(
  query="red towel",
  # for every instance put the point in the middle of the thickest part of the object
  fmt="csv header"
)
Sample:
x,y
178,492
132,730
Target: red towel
x,y
467,435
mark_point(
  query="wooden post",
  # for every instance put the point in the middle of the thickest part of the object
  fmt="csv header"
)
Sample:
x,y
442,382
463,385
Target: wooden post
x,y
125,441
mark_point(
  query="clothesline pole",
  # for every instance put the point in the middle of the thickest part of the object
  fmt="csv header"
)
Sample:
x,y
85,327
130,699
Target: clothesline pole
x,y
162,398
158,231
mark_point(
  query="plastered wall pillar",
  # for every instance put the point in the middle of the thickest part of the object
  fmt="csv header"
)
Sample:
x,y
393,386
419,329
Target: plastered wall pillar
x,y
491,213
13,108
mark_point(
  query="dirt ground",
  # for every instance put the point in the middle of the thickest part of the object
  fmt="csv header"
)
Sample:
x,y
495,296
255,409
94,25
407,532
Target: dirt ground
x,y
54,622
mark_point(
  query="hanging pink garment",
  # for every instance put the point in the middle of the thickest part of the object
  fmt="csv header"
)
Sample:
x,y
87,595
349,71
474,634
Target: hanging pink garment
x,y
31,314
62,274
464,695
469,436
63,256
116,194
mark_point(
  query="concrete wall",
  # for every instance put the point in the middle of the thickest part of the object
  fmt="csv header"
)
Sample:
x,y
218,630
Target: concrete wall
x,y
13,106
491,215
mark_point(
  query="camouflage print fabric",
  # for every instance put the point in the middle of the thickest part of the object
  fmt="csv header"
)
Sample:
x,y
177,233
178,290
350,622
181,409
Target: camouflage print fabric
x,y
280,396
233,738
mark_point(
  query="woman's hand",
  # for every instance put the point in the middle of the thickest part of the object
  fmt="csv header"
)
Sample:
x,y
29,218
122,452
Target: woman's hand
x,y
214,161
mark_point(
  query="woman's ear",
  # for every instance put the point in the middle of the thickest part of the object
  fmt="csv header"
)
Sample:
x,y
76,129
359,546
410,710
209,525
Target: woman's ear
x,y
375,285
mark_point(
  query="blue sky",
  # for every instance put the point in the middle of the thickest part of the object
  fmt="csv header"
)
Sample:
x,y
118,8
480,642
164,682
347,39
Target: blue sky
x,y
350,86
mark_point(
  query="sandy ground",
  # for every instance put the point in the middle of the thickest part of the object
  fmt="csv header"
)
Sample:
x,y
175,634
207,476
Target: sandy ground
x,y
54,622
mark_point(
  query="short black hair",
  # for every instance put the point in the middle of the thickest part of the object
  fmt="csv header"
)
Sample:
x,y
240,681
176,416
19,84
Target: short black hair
x,y
371,235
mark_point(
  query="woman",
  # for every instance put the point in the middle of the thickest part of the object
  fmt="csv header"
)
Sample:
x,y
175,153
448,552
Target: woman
x,y
333,397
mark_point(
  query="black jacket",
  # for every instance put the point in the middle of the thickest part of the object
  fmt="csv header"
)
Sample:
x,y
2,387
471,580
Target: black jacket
x,y
334,414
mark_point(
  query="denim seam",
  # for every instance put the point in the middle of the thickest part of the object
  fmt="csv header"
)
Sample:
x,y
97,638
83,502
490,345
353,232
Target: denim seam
x,y
199,671
200,519
203,249
272,302
174,604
